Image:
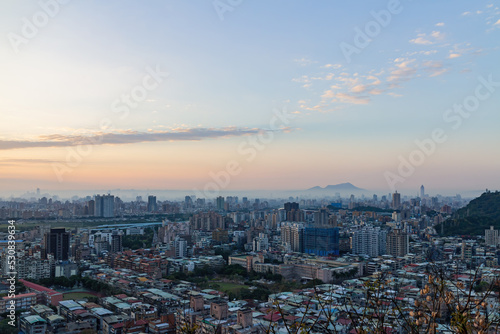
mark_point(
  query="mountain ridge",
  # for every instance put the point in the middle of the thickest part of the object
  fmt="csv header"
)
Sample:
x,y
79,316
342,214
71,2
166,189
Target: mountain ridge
x,y
341,186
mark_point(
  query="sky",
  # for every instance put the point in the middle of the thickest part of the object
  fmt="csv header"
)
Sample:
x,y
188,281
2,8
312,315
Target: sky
x,y
236,94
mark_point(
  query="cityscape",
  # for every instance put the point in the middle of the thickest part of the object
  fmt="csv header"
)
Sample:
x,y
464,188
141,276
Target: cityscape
x,y
245,167
238,265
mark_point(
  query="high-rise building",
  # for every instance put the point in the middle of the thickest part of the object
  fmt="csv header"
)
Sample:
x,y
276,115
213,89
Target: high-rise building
x,y
180,247
396,200
292,236
398,243
321,217
492,236
101,244
422,192
108,207
467,250
321,241
104,206
188,202
91,206
260,243
369,241
98,203
293,212
116,242
220,203
208,221
289,206
57,243
152,206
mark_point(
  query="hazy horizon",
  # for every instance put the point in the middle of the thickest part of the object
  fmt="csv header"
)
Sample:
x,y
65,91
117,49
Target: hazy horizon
x,y
179,194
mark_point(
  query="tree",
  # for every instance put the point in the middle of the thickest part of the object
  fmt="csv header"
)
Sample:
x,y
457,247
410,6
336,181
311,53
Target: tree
x,y
6,328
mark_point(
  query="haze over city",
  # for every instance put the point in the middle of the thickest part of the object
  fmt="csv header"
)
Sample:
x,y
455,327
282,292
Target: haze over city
x,y
116,95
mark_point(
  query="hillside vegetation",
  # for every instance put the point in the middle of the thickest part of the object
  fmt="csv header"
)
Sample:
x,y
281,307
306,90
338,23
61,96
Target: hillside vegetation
x,y
477,216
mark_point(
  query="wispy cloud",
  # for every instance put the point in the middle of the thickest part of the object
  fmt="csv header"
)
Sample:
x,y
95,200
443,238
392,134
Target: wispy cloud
x,y
304,61
435,68
21,162
129,137
333,66
421,39
335,86
428,39
491,14
404,70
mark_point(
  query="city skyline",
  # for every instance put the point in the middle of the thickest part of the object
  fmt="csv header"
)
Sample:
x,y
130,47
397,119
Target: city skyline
x,y
256,96
180,195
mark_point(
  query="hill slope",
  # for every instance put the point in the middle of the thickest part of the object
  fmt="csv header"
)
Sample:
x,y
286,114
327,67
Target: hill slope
x,y
477,216
337,187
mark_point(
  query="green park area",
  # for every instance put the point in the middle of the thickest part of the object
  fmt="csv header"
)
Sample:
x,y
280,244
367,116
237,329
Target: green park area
x,y
227,287
77,296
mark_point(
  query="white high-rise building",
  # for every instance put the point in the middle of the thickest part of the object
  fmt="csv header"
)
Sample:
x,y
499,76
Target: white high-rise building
x,y
369,241
492,236
180,247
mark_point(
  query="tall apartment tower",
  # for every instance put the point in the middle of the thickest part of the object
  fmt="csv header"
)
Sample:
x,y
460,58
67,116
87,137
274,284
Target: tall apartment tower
x,y
57,243
369,241
188,202
116,242
321,217
293,213
492,236
104,206
398,243
292,236
91,206
220,203
396,200
152,206
180,245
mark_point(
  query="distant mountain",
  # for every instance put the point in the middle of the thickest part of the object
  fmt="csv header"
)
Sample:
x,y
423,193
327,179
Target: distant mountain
x,y
337,187
473,219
